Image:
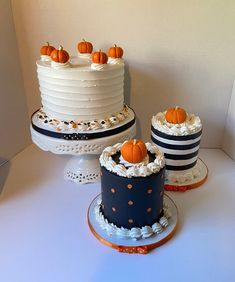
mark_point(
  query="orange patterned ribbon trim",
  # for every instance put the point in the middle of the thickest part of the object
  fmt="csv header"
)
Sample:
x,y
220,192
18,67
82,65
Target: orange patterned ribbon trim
x,y
176,188
133,250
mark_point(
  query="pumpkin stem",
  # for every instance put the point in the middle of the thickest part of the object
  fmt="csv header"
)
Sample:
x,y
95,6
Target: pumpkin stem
x,y
83,40
47,43
99,50
134,141
60,47
115,45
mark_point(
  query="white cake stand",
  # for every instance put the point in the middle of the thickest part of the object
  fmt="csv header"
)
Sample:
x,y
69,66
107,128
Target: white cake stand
x,y
84,166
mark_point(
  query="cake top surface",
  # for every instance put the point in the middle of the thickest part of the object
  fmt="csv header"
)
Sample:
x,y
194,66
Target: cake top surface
x,y
167,122
114,161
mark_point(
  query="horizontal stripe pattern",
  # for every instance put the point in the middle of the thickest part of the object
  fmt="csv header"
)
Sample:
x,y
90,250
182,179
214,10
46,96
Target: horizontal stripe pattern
x,y
180,154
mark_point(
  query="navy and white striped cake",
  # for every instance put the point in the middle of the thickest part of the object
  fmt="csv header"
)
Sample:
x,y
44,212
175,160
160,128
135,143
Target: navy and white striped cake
x,y
179,142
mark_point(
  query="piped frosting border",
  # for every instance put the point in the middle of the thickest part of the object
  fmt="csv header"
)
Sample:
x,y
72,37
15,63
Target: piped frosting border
x,y
135,170
135,232
191,125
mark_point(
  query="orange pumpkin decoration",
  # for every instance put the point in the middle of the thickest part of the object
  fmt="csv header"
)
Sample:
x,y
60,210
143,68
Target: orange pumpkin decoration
x,y
115,52
60,56
46,49
85,47
99,57
176,115
134,151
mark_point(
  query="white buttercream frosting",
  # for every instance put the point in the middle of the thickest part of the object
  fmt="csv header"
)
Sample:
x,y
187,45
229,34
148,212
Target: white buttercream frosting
x,y
180,177
86,56
56,65
115,61
80,126
125,169
45,58
191,125
95,66
135,232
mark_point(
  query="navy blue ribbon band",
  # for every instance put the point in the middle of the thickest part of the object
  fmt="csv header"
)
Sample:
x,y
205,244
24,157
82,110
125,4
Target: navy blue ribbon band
x,y
83,136
181,167
181,157
173,137
175,147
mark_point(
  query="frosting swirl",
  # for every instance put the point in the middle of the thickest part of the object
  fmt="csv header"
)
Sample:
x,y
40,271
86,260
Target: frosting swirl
x,y
191,125
126,169
56,65
115,61
45,58
95,66
135,232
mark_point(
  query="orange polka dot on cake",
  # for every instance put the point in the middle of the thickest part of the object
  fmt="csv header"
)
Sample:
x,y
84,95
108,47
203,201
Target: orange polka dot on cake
x,y
130,221
149,209
129,186
130,203
114,209
149,191
113,190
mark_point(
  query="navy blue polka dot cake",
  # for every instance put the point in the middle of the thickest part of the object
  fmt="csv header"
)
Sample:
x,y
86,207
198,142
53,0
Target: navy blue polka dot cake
x,y
132,190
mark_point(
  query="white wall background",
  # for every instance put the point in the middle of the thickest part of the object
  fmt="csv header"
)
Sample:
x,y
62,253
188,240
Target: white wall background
x,y
177,52
14,123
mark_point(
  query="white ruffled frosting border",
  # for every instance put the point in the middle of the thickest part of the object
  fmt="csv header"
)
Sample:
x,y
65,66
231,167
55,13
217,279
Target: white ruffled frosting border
x,y
81,126
135,232
137,170
191,125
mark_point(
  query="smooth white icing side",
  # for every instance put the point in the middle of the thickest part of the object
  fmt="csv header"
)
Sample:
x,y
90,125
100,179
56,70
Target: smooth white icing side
x,y
191,125
135,232
115,61
79,92
142,169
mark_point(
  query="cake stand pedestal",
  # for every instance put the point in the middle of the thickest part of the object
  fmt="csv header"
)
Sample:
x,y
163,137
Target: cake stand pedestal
x,y
175,181
131,246
84,166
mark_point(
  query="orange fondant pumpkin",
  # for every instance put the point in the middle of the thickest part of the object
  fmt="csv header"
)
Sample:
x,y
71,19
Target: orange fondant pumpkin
x,y
47,49
134,151
85,47
176,115
60,56
99,57
115,52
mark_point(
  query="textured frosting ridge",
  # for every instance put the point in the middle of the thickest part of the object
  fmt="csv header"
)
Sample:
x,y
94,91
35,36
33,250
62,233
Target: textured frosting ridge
x,y
75,91
135,232
142,169
191,125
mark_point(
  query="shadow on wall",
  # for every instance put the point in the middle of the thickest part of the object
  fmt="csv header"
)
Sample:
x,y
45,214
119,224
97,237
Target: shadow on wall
x,y
4,170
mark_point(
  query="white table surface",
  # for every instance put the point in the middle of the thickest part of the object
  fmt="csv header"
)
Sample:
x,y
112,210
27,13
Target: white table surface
x,y
44,234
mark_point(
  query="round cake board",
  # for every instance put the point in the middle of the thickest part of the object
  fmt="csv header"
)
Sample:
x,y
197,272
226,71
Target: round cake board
x,y
140,246
188,184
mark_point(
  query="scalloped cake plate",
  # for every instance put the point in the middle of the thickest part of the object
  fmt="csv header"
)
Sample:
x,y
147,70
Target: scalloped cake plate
x,y
141,246
189,184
